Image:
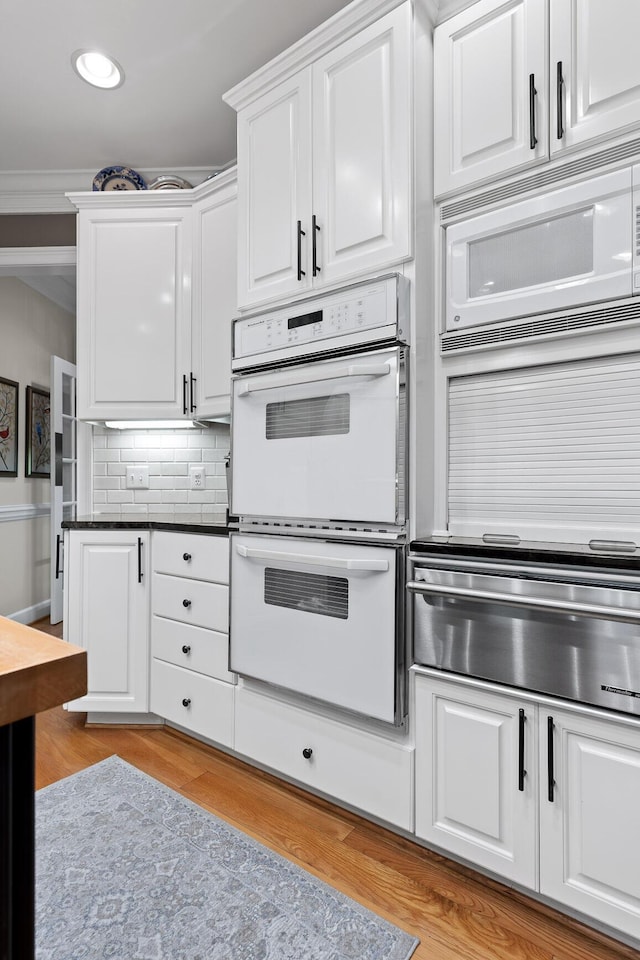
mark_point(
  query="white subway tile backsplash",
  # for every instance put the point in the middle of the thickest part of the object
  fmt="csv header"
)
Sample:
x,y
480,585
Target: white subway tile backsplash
x,y
168,454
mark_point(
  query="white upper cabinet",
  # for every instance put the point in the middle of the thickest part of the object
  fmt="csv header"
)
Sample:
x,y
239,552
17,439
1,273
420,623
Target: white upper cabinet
x,y
134,311
156,297
214,297
519,81
490,96
595,69
324,167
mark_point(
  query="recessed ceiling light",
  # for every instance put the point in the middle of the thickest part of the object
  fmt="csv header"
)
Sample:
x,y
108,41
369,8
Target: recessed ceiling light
x,y
97,69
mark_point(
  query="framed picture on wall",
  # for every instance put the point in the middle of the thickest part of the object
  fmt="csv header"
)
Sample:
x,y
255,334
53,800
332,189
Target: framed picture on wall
x,y
38,421
8,428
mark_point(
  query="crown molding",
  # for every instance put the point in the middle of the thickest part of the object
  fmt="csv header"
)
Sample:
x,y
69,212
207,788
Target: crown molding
x,y
45,191
40,261
341,26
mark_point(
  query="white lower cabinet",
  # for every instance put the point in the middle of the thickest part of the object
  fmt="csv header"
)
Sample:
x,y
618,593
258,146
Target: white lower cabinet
x,y
472,796
191,684
589,822
107,613
360,768
572,833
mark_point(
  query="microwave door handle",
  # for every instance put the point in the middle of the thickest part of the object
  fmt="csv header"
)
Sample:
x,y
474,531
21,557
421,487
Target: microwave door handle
x,y
341,563
531,603
294,379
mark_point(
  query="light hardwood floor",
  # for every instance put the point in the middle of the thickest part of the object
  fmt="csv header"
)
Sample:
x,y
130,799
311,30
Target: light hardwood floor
x,y
456,913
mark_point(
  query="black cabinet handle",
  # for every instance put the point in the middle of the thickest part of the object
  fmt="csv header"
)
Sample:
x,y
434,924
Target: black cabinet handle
x,y
186,556
184,393
139,559
186,603
315,230
307,752
186,648
550,779
186,702
532,112
301,234
192,393
559,101
58,540
522,719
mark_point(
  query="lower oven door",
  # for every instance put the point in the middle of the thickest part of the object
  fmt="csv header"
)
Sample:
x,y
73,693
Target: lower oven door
x,y
322,440
320,619
576,636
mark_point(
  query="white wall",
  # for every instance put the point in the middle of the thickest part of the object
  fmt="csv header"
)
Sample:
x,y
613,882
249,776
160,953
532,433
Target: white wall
x,y
32,328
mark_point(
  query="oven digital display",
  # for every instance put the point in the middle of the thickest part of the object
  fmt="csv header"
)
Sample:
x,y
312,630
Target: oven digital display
x,y
304,320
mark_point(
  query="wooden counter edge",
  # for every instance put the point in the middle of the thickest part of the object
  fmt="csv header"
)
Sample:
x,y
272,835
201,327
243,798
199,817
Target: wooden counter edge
x,y
37,671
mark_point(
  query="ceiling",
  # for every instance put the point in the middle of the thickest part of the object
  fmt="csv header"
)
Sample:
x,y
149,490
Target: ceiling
x,y
168,117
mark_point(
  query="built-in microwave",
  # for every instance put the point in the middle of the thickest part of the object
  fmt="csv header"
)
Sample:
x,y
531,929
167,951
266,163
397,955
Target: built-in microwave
x,y
574,245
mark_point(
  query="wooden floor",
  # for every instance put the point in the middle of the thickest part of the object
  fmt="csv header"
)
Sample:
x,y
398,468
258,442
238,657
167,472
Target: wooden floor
x,y
456,913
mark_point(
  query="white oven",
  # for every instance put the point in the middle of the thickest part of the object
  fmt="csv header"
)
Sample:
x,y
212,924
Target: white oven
x,y
319,432
574,245
323,619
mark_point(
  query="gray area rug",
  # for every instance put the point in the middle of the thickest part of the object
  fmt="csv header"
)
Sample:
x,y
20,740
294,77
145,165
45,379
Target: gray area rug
x,y
128,869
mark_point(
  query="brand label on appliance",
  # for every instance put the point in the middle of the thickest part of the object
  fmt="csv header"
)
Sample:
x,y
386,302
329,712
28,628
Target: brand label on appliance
x,y
621,690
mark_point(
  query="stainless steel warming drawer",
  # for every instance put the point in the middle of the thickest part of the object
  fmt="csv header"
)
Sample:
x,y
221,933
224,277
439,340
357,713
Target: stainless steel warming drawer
x,y
567,632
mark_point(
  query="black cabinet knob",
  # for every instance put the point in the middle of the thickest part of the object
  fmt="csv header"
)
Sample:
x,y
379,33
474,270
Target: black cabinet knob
x,y
186,702
186,556
186,648
186,603
306,753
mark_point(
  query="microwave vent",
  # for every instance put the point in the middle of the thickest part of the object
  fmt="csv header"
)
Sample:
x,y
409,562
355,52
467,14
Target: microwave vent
x,y
489,335
545,178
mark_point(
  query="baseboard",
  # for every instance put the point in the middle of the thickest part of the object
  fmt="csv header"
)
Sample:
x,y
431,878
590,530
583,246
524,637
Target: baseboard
x,y
31,614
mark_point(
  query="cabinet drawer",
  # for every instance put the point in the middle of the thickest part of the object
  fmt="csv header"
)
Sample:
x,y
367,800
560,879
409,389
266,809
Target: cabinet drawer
x,y
194,648
191,601
366,771
207,557
195,702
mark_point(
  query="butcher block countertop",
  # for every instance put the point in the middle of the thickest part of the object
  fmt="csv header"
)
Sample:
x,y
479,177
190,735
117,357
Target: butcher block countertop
x,y
37,671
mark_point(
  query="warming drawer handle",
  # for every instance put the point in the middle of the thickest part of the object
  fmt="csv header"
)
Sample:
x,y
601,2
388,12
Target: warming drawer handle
x,y
295,379
533,603
342,563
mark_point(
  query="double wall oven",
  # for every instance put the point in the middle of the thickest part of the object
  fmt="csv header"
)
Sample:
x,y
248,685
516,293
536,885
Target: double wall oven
x,y
318,481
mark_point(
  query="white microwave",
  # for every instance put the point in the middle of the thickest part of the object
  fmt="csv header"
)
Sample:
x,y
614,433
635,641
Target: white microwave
x,y
575,245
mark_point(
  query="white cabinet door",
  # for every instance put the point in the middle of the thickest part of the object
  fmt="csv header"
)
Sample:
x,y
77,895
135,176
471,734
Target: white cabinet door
x,y
589,822
274,192
108,614
214,300
490,91
476,781
595,69
134,312
362,151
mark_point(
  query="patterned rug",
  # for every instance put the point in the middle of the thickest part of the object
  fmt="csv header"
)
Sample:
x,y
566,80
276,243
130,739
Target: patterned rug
x,y
128,869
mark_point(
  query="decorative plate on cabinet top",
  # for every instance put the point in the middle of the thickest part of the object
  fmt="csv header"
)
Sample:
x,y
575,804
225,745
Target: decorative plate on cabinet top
x,y
118,178
170,183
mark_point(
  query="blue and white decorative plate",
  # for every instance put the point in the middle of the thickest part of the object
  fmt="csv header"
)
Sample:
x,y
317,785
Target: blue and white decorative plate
x,y
118,178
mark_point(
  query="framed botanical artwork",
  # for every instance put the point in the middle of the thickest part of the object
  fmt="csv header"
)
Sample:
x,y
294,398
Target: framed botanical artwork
x,y
38,425
8,428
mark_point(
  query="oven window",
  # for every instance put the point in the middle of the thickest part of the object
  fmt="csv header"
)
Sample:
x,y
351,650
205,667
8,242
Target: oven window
x,y
308,592
314,417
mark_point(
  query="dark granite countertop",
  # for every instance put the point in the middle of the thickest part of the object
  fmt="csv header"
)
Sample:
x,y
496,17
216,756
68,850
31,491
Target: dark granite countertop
x,y
217,524
531,551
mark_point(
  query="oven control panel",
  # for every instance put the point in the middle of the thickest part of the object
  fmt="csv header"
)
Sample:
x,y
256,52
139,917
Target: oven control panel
x,y
364,313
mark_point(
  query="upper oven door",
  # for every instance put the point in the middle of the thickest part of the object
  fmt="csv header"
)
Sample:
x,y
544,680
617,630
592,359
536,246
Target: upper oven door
x,y
320,619
321,441
565,248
